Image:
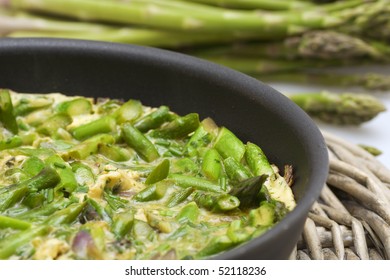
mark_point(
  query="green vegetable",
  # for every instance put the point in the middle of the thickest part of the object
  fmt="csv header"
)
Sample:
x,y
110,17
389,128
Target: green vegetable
x,y
236,171
228,145
190,212
179,196
153,120
352,109
105,124
47,178
152,192
212,165
10,244
160,172
7,115
248,191
178,128
55,122
129,111
114,179
122,223
216,202
139,142
75,107
197,183
8,222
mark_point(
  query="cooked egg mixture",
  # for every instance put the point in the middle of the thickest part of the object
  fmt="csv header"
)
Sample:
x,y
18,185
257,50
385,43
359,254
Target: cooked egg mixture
x,y
108,179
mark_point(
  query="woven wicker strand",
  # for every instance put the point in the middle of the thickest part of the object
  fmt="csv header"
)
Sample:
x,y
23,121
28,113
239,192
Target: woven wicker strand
x,y
351,219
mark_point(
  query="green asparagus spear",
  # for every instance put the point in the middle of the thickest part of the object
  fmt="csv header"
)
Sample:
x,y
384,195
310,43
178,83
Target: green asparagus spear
x,y
179,196
47,178
122,223
216,202
257,161
26,106
280,5
159,173
248,191
216,245
89,146
152,192
83,174
142,231
55,122
202,136
7,115
228,145
203,18
236,171
212,165
319,45
156,222
8,222
179,127
12,142
10,244
189,212
185,166
115,152
105,124
342,109
68,181
129,111
153,120
33,200
194,182
45,210
139,142
367,81
33,165
75,107
66,215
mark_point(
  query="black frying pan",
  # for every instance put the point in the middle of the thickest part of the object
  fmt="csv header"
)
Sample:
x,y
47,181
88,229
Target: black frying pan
x,y
254,111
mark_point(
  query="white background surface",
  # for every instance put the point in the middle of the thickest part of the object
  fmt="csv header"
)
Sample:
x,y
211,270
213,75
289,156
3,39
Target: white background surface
x,y
373,133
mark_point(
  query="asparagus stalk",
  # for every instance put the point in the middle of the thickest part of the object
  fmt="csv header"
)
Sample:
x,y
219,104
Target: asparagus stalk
x,y
260,65
139,142
7,115
105,124
160,172
343,109
178,128
153,120
216,202
190,212
8,222
179,196
236,171
19,21
369,81
47,178
12,142
279,5
196,17
229,145
373,23
319,44
9,245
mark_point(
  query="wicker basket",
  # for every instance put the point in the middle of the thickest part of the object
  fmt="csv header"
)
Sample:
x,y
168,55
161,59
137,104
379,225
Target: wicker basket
x,y
351,219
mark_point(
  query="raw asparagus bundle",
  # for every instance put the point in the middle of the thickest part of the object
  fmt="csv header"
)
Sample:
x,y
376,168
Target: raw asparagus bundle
x,y
120,180
345,108
270,40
